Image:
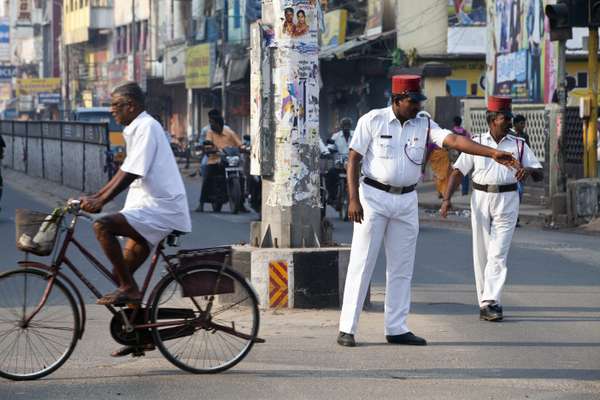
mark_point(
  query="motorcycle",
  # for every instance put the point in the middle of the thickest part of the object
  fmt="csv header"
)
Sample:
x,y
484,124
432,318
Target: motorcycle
x,y
226,185
340,163
234,177
341,201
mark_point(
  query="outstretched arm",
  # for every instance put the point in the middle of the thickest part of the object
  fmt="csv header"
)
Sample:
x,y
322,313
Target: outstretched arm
x,y
468,146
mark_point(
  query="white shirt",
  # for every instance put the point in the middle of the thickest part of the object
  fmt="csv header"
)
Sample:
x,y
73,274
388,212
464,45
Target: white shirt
x,y
486,171
157,201
393,152
342,146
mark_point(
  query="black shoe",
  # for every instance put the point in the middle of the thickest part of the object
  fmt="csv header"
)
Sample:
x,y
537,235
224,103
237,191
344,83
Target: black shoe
x,y
346,339
491,312
406,338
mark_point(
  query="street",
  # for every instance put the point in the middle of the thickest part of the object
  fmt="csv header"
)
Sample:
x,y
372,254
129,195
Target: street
x,y
548,347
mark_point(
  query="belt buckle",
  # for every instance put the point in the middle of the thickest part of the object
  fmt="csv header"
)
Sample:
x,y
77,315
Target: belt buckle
x,y
493,188
395,190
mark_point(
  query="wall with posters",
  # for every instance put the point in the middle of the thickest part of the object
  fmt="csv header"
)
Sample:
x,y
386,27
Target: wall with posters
x,y
519,56
296,103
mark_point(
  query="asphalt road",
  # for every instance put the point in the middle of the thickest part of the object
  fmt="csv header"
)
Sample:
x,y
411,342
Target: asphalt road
x,y
548,347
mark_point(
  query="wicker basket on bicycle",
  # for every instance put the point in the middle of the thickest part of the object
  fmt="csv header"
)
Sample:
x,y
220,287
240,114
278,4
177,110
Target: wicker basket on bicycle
x,y
30,224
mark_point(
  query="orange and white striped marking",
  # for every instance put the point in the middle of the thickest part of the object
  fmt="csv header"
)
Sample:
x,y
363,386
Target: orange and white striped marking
x,y
278,284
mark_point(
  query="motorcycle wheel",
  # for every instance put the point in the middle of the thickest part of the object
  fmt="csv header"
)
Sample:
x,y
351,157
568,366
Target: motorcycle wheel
x,y
234,190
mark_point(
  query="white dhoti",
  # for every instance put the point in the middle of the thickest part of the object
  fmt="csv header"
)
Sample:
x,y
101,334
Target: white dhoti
x,y
493,221
393,218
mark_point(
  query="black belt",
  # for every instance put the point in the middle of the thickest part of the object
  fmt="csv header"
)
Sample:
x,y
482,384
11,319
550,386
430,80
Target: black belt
x,y
495,188
389,188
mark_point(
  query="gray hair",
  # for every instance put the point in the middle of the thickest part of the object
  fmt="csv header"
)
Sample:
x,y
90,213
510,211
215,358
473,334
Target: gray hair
x,y
131,90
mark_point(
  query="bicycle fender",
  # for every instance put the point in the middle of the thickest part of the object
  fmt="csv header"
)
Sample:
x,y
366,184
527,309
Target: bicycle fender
x,y
69,283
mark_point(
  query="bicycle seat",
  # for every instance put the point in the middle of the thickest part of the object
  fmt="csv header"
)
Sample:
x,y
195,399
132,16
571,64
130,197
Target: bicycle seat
x,y
173,238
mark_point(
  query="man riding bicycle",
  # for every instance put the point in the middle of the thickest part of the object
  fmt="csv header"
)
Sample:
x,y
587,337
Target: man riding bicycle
x,y
156,203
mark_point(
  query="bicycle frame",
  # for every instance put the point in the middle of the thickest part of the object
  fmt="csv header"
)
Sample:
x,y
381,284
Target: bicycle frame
x,y
61,258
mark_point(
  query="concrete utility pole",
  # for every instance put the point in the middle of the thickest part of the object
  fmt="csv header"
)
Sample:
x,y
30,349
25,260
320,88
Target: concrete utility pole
x,y
291,200
288,265
590,161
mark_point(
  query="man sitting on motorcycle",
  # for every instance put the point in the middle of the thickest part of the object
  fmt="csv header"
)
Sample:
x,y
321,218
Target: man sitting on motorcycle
x,y
218,137
341,141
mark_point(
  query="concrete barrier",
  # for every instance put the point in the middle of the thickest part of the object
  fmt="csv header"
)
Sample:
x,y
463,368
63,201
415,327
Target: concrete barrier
x,y
583,200
73,154
295,278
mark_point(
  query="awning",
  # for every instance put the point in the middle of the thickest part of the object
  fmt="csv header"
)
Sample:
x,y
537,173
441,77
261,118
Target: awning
x,y
354,44
237,69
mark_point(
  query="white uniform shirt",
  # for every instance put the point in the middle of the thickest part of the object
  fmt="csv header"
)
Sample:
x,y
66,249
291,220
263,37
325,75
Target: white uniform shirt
x,y
393,152
156,202
342,146
486,171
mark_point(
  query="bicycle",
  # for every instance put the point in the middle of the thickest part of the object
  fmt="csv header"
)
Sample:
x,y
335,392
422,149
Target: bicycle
x,y
202,315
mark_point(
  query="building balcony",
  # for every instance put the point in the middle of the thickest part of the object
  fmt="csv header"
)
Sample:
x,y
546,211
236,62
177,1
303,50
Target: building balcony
x,y
81,18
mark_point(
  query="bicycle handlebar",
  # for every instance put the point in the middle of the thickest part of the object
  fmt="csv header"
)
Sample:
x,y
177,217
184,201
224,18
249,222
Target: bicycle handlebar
x,y
74,207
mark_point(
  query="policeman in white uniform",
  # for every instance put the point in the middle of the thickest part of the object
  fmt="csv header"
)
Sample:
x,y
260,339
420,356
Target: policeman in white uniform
x,y
494,203
391,144
340,141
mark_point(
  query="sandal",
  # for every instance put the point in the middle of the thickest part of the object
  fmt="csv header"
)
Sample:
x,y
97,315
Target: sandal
x,y
118,298
126,350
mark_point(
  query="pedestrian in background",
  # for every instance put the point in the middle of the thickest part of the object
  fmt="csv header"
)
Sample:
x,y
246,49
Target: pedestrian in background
x,y
454,154
494,203
389,145
212,114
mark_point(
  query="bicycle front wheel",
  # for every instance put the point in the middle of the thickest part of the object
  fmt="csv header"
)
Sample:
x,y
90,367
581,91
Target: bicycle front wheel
x,y
33,349
210,318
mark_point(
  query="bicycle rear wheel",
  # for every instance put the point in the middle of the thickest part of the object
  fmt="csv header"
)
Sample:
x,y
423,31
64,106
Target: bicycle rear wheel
x,y
35,349
213,318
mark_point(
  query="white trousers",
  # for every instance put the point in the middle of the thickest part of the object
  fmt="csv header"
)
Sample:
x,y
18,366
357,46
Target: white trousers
x,y
393,219
493,221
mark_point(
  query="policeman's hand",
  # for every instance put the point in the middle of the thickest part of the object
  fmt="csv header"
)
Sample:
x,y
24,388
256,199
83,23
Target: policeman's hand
x,y
446,206
521,174
91,204
355,211
505,159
